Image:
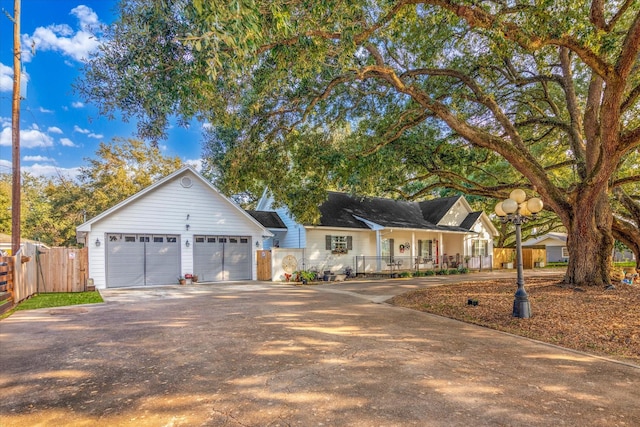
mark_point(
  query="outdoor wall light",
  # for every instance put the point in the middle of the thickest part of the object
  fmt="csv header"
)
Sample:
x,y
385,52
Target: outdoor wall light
x,y
97,242
187,244
518,210
188,226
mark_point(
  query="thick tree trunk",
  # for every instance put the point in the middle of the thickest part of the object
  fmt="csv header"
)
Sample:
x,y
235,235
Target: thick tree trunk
x,y
590,242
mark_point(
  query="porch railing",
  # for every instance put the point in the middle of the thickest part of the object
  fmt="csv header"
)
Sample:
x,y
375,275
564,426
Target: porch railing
x,y
397,264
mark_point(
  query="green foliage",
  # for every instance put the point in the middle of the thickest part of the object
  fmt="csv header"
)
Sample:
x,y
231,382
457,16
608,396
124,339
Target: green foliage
x,y
301,275
392,99
430,273
51,209
406,274
442,272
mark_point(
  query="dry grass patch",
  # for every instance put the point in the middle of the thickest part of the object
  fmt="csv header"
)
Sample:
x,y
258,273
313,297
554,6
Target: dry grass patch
x,y
593,320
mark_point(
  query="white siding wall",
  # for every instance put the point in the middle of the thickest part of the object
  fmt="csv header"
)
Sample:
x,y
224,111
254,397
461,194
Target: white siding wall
x,y
164,210
277,255
456,215
364,243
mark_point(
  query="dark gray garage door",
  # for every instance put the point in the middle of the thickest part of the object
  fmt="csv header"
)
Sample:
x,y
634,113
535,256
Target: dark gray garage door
x,y
218,258
142,259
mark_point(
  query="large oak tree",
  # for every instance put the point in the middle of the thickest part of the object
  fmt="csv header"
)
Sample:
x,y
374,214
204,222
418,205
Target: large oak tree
x,y
400,94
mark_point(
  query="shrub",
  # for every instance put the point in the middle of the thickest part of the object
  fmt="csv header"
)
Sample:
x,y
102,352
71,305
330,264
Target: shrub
x,y
463,270
430,273
304,275
405,274
453,271
443,272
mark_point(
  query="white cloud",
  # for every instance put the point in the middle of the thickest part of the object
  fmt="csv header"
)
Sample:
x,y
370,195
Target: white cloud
x,y
6,78
51,171
78,129
37,159
29,138
87,17
77,44
96,135
37,169
66,142
77,104
44,110
55,129
197,164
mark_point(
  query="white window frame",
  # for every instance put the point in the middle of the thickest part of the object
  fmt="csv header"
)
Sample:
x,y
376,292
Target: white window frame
x,y
339,244
479,247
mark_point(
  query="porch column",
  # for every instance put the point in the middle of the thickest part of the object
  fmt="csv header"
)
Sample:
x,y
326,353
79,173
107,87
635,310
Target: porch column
x,y
440,250
413,250
378,250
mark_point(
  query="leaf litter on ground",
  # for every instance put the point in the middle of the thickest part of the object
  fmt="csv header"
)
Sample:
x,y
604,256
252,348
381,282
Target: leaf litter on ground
x,y
589,319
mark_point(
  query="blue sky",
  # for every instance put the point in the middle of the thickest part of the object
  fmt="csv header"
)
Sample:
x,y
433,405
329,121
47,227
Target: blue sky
x,y
58,131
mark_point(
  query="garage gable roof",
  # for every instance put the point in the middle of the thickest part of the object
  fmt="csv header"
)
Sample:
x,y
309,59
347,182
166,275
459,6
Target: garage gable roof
x,y
185,170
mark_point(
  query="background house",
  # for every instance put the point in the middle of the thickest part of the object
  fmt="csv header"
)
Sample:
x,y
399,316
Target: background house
x,y
5,243
554,243
179,225
377,234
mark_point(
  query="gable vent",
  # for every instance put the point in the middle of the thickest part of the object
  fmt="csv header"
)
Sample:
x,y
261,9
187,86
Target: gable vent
x,y
186,182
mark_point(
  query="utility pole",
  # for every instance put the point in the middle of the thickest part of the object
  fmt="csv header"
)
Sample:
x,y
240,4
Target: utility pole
x,y
15,132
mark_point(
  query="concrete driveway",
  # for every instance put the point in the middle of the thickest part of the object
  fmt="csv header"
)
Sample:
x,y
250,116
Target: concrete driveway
x,y
265,354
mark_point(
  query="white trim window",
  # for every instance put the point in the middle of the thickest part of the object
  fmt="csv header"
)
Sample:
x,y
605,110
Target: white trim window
x,y
479,247
386,247
425,249
565,252
339,244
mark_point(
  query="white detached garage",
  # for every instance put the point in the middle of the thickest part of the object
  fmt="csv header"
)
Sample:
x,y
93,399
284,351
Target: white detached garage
x,y
179,225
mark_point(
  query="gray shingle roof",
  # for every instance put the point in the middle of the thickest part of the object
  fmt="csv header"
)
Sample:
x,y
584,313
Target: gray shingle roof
x,y
341,210
268,219
434,210
470,220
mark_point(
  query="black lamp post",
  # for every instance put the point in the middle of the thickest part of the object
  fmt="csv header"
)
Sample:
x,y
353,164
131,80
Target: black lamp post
x,y
518,210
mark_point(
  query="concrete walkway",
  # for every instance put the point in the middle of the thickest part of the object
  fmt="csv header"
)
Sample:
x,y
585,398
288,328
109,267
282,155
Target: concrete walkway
x,y
266,354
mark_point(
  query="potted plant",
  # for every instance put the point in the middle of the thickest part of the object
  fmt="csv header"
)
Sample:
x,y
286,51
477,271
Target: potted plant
x,y
509,264
182,280
539,262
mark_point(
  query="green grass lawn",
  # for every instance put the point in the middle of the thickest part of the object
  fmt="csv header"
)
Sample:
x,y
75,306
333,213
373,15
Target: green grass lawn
x,y
57,299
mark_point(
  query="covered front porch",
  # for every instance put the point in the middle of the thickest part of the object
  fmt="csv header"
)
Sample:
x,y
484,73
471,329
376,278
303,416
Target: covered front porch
x,y
387,265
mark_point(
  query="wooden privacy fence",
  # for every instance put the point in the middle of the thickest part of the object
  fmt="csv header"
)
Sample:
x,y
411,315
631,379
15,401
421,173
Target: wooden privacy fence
x,y
19,278
530,256
38,269
61,269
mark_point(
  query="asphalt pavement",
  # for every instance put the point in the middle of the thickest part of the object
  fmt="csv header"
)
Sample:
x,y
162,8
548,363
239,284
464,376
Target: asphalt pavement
x,y
273,354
